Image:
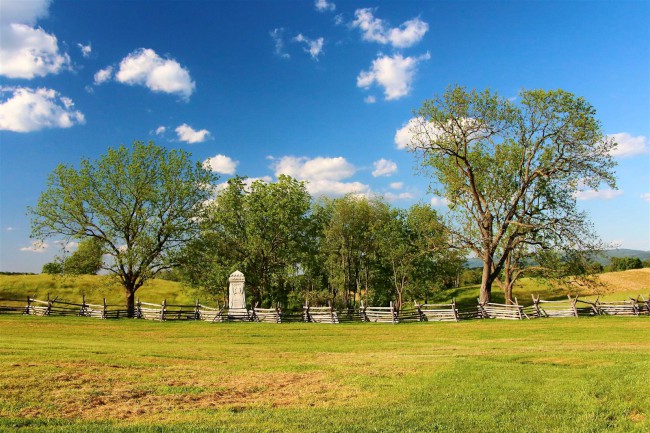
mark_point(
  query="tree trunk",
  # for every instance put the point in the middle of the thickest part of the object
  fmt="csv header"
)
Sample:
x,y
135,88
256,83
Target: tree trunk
x,y
486,281
130,301
507,291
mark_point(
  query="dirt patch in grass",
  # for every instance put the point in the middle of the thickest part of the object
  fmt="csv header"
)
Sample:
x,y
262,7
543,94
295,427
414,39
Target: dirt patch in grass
x,y
94,400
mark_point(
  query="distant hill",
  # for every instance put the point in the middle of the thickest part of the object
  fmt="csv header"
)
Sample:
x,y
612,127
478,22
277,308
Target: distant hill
x,y
604,259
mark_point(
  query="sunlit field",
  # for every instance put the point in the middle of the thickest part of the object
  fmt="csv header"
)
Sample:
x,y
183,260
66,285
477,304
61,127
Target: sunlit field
x,y
82,374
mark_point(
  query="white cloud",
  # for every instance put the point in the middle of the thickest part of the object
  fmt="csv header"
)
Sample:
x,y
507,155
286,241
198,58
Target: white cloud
x,y
629,145
324,175
28,52
314,46
29,110
187,134
278,41
338,19
36,247
644,196
375,29
21,11
417,128
160,130
85,49
369,99
603,194
221,164
9,229
103,75
401,196
324,5
393,73
438,201
396,185
384,167
404,135
146,68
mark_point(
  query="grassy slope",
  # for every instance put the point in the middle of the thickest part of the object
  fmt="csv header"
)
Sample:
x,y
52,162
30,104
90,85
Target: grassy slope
x,y
80,374
619,285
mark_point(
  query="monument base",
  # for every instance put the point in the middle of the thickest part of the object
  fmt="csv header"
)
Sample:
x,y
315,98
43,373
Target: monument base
x,y
239,315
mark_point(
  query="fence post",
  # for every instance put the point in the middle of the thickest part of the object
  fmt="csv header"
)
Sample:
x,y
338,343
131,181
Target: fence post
x,y
163,309
105,310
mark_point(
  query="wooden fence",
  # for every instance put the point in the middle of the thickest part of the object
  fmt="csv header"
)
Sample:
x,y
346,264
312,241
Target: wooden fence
x,y
438,312
572,307
320,314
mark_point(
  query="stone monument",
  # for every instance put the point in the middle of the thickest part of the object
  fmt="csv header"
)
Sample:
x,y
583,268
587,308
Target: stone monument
x,y
237,297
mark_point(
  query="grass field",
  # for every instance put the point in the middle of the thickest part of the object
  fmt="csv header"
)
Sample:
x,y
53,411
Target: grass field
x,y
553,375
616,286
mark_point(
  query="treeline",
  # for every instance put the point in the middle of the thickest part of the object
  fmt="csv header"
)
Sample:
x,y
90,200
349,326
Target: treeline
x,y
343,250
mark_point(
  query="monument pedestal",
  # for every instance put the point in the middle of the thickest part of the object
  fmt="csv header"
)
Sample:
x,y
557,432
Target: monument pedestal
x,y
237,310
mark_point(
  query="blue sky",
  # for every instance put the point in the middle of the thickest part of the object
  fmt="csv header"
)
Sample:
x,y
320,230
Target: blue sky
x,y
316,89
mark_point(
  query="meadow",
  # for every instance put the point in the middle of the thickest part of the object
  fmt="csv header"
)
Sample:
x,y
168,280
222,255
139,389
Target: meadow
x,y
82,374
555,375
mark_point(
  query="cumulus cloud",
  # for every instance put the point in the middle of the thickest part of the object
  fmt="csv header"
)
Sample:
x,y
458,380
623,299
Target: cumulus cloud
x,y
26,110
646,196
369,99
324,175
21,11
629,145
85,49
28,52
103,75
160,130
324,6
396,185
401,196
439,201
393,73
36,247
384,167
375,29
146,68
221,164
189,135
278,42
603,194
313,46
404,134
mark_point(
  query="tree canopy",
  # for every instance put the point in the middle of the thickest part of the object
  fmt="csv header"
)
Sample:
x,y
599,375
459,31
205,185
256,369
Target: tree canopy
x,y
511,170
139,204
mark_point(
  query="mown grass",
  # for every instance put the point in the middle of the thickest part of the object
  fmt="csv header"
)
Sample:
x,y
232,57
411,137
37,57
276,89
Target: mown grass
x,y
554,375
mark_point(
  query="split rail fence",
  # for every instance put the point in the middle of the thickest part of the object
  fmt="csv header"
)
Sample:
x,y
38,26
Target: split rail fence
x,y
440,312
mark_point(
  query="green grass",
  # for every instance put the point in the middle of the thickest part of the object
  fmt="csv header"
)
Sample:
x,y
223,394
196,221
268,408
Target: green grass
x,y
618,286
554,375
95,287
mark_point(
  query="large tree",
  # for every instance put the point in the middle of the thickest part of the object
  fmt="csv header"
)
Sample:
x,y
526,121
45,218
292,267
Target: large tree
x,y
510,170
140,204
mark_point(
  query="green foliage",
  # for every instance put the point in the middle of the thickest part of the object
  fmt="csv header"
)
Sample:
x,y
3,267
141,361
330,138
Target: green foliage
x,y
87,260
625,263
139,203
260,230
511,170
52,268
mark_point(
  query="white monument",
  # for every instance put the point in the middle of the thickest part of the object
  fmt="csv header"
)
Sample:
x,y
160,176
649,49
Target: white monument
x,y
236,293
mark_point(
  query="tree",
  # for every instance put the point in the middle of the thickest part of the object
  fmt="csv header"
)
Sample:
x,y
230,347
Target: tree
x,y
87,260
52,268
139,203
510,171
259,229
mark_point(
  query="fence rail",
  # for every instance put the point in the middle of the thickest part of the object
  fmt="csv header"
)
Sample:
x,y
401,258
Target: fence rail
x,y
572,307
